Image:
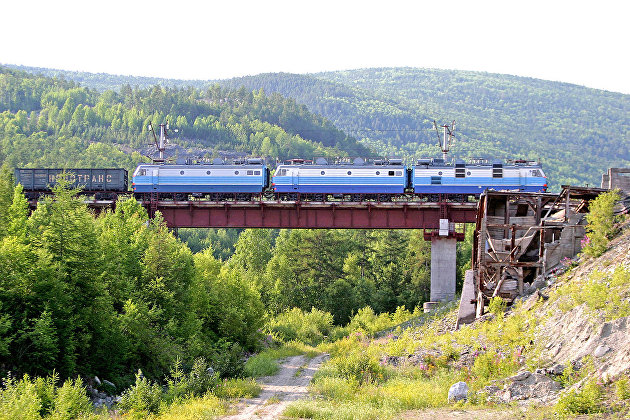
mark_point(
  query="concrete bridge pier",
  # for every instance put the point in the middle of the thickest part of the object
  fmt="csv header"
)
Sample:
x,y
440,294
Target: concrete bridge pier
x,y
443,263
443,268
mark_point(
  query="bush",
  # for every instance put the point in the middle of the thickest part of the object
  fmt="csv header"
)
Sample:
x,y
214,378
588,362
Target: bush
x,y
588,400
262,364
367,321
622,388
193,384
297,325
359,366
19,400
142,398
339,389
493,365
46,389
497,306
227,359
600,227
33,399
71,400
237,388
207,407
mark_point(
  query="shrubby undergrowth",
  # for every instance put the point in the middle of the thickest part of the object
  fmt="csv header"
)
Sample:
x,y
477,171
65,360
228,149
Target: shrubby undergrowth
x,y
37,398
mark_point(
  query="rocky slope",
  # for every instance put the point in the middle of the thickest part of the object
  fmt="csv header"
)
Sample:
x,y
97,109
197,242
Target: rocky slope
x,y
565,347
582,333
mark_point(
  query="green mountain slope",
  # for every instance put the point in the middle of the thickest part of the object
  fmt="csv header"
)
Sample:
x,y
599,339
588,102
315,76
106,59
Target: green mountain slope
x,y
577,132
53,122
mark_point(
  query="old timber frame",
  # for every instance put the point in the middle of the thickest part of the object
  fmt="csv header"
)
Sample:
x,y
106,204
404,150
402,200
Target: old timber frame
x,y
519,237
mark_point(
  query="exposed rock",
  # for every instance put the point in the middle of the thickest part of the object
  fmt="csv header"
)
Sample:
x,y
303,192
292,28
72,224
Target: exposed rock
x,y
531,301
458,391
527,385
601,351
538,284
108,383
557,369
487,317
521,376
97,381
491,390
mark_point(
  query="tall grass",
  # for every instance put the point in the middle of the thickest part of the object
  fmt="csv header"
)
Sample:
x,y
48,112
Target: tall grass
x,y
266,363
194,408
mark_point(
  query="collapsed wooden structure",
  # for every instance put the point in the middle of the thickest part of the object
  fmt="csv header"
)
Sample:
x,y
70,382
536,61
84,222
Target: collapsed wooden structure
x,y
519,237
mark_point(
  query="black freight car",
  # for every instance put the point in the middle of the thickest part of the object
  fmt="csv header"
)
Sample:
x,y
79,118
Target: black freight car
x,y
102,183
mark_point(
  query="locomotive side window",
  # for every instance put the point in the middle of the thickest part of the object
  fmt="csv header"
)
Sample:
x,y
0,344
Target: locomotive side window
x,y
283,172
391,173
250,172
256,172
497,170
398,173
142,172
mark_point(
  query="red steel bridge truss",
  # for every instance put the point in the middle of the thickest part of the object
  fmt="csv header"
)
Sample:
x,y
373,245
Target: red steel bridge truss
x,y
309,214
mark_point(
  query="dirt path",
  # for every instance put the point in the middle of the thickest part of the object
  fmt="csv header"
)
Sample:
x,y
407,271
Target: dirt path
x,y
289,384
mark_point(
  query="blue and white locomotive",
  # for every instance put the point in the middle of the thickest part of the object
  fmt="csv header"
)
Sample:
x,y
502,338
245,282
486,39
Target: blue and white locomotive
x,y
434,176
240,180
320,179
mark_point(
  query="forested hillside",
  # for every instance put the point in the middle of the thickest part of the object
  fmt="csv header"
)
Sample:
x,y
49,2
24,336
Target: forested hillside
x,y
52,122
577,132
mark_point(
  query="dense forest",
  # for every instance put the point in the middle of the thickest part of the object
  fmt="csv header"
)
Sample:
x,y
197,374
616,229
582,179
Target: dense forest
x,y
52,122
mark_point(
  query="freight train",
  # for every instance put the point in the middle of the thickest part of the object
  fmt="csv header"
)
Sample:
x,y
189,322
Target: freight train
x,y
103,184
298,179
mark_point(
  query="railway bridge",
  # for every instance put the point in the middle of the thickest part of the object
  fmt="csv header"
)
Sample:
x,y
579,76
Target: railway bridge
x,y
442,221
517,238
